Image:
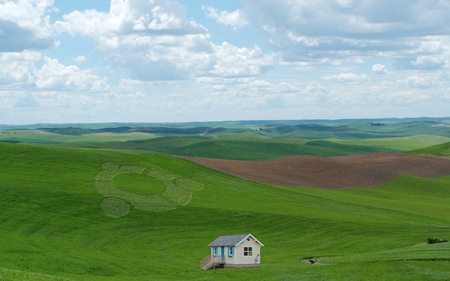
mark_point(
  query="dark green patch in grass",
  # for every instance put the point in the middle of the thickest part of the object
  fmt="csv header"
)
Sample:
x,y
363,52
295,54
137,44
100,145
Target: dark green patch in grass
x,y
436,240
337,149
263,150
139,183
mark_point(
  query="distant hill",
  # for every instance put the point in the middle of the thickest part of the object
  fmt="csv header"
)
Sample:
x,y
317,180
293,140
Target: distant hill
x,y
440,149
243,140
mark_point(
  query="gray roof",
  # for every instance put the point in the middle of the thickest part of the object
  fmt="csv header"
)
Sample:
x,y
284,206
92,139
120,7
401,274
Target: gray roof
x,y
231,240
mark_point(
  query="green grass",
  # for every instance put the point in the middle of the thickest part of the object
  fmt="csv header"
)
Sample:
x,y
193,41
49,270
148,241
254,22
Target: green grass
x,y
115,207
399,143
245,140
10,274
440,149
177,190
52,225
140,195
356,130
263,150
139,184
37,136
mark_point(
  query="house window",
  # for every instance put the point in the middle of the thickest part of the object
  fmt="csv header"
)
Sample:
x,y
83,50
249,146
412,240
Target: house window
x,y
248,251
214,251
230,251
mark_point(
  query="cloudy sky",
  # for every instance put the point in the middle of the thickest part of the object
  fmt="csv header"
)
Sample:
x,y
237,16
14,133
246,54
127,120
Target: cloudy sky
x,y
208,60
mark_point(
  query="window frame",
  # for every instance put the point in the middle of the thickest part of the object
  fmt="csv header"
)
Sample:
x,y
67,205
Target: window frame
x,y
230,251
249,251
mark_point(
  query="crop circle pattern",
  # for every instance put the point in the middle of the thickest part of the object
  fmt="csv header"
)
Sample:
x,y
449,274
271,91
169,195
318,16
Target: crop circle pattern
x,y
178,191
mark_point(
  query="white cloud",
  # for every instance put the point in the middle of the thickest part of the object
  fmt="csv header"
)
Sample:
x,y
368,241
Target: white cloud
x,y
24,24
427,63
80,59
54,75
18,68
155,42
156,17
347,78
234,19
419,82
379,69
19,71
255,94
232,61
311,31
128,84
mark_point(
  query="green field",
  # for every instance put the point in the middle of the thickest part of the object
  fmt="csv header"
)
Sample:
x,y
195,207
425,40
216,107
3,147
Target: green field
x,y
70,212
243,140
439,149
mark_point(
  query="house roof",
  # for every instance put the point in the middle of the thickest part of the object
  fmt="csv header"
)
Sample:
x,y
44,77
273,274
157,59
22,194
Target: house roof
x,y
232,240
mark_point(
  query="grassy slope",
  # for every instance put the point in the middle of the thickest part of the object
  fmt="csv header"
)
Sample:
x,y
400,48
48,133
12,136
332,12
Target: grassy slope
x,y
242,147
37,136
358,130
52,225
439,149
400,143
249,141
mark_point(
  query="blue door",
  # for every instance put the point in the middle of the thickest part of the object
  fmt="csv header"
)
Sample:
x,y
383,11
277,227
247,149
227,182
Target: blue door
x,y
222,254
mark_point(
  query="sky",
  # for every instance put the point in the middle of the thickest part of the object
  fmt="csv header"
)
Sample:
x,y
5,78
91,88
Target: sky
x,y
214,60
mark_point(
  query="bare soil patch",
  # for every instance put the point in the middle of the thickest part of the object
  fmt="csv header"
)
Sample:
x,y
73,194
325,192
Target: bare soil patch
x,y
358,171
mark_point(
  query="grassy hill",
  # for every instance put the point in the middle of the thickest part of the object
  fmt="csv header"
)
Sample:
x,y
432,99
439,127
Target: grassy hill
x,y
440,149
242,140
55,224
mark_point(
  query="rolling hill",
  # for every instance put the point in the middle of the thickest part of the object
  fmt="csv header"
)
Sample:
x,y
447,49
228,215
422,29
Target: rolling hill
x,y
61,219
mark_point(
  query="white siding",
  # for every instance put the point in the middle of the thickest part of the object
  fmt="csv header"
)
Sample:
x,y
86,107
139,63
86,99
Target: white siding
x,y
255,258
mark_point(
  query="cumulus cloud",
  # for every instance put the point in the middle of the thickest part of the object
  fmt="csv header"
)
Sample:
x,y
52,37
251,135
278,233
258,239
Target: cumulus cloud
x,y
157,17
54,75
19,71
155,42
79,59
347,78
419,82
322,30
18,68
379,69
25,24
234,19
231,61
427,63
252,93
129,84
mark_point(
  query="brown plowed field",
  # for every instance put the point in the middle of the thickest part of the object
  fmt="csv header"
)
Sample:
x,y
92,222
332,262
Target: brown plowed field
x,y
358,171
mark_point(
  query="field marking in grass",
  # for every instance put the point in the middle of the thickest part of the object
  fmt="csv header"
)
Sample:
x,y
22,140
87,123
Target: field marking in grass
x,y
115,207
177,191
11,274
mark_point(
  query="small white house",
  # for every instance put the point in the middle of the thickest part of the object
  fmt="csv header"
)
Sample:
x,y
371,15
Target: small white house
x,y
242,250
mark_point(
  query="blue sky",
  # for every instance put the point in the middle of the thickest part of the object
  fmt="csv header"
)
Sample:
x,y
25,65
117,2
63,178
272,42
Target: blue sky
x,y
196,60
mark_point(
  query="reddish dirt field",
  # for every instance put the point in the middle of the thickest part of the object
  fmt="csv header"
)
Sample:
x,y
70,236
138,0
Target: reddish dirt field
x,y
358,171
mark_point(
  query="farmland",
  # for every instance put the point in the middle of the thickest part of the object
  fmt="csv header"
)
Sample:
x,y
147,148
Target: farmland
x,y
116,202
